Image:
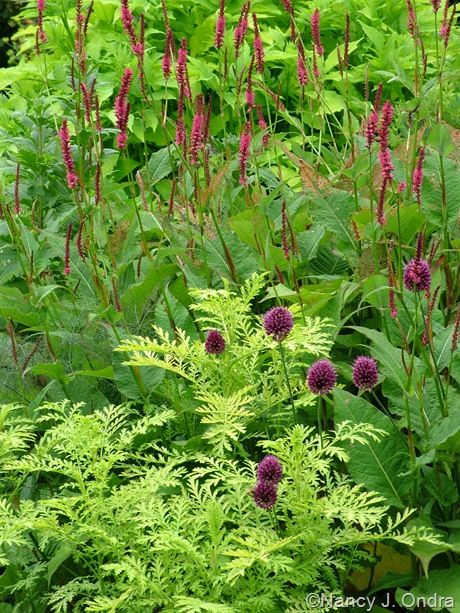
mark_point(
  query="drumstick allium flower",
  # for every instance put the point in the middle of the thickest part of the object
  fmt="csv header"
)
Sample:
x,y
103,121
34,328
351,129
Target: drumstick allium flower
x,y
278,323
417,274
365,373
215,342
265,495
270,469
321,377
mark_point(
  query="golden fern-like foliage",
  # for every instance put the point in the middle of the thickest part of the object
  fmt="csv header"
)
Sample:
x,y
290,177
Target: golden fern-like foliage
x,y
250,362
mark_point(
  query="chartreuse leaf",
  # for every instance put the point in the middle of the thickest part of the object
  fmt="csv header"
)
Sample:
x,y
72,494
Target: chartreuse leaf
x,y
377,465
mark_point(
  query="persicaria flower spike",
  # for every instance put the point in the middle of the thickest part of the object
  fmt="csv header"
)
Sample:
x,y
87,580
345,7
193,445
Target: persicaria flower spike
x,y
365,372
258,46
215,342
278,323
41,36
196,135
371,128
321,377
302,73
220,26
122,108
263,126
270,470
167,55
436,5
417,176
241,28
265,495
127,21
181,71
384,133
64,136
245,145
67,250
315,32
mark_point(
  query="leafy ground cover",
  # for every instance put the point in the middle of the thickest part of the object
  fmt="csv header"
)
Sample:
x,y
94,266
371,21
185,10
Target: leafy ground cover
x,y
229,305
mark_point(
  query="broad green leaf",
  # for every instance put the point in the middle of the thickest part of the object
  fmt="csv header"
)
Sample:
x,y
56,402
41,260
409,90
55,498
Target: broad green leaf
x,y
159,166
377,465
440,139
334,211
440,584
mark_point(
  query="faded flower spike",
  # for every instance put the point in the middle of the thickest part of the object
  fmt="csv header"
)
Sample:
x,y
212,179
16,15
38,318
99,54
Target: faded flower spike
x,y
265,494
321,377
278,322
215,342
270,470
365,373
417,275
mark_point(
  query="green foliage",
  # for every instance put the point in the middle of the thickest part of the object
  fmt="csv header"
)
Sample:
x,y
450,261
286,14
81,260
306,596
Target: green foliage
x,y
125,515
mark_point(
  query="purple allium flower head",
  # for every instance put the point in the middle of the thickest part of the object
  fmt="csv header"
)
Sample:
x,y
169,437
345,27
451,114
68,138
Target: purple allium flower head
x,y
417,275
215,342
278,322
265,494
365,373
321,377
270,469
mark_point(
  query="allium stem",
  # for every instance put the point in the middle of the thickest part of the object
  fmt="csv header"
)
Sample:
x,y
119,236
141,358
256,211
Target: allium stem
x,y
291,396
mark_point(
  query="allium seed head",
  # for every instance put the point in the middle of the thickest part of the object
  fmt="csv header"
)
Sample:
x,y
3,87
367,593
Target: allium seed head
x,y
321,377
265,494
417,275
215,342
278,322
365,373
270,469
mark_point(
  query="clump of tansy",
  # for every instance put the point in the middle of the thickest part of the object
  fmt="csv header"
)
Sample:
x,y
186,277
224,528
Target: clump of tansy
x,y
214,343
278,323
269,474
270,469
321,377
365,373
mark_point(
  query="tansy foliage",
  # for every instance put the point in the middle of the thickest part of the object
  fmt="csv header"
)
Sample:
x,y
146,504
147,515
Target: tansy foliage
x,y
247,381
125,516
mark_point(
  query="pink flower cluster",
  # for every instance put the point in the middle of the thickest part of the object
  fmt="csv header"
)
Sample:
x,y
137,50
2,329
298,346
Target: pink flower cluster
x,y
220,26
417,175
316,33
245,145
122,108
64,137
241,28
